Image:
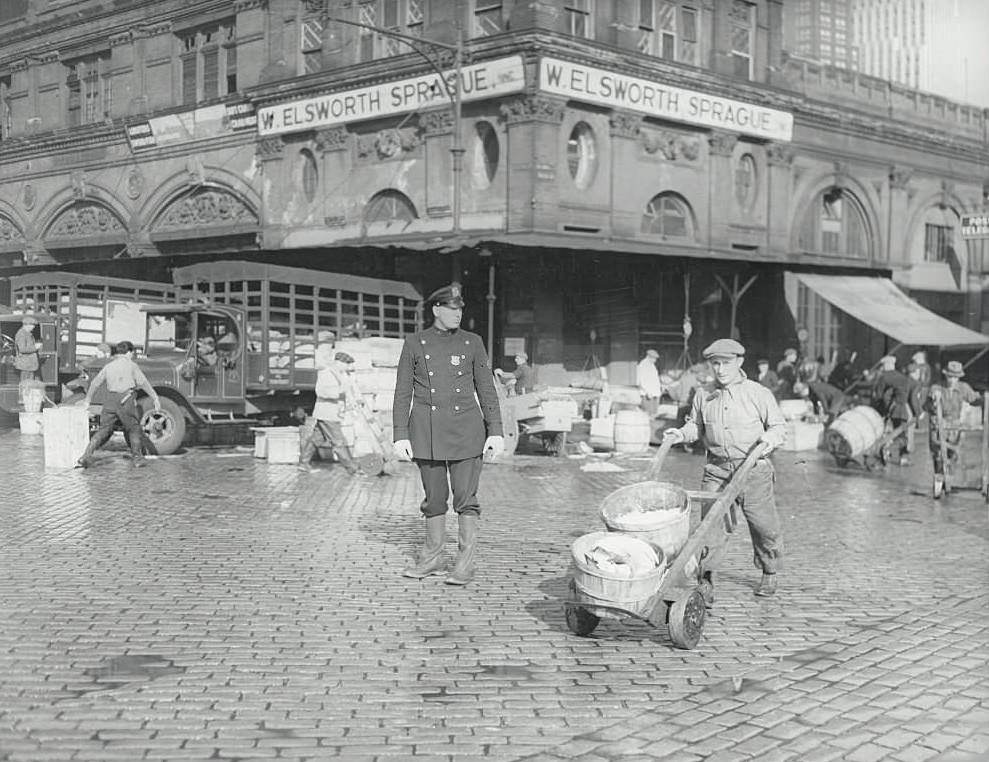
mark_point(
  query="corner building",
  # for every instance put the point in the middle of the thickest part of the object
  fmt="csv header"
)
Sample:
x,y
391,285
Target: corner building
x,y
625,164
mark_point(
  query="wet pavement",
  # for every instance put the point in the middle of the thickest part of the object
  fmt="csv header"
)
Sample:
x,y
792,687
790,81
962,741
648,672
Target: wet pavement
x,y
214,607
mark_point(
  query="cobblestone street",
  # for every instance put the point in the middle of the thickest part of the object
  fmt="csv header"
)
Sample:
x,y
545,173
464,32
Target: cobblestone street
x,y
214,607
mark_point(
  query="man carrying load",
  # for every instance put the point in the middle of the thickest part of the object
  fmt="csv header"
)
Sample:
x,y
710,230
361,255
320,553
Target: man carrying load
x,y
731,419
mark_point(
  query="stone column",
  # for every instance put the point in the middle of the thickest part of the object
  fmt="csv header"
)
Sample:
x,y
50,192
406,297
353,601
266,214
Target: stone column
x,y
437,130
333,144
626,134
897,204
779,194
721,177
271,152
534,151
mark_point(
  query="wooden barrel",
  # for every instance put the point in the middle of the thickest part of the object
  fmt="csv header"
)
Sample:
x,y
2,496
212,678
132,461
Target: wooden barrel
x,y
855,431
633,429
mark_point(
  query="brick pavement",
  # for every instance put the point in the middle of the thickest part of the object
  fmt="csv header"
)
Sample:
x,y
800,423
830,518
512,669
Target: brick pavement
x,y
212,606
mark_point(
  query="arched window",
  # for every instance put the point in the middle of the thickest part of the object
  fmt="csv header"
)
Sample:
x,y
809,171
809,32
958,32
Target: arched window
x,y
745,181
582,158
309,174
486,154
667,215
389,206
835,224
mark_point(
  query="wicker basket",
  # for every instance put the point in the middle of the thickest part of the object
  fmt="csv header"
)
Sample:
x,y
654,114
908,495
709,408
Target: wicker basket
x,y
662,512
595,585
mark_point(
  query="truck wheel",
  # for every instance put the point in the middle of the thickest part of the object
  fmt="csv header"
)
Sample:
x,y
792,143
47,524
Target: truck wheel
x,y
164,431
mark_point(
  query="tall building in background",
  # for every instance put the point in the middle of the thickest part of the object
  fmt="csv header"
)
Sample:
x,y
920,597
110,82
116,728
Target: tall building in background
x,y
821,30
937,46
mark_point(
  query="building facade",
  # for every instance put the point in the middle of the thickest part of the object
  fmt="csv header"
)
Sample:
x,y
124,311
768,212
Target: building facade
x,y
609,169
822,31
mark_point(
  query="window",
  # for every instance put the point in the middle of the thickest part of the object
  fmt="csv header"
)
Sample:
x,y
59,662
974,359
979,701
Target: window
x,y
937,241
209,62
580,17
667,215
311,44
742,36
582,155
390,206
823,323
668,30
486,154
6,118
90,89
835,225
309,174
402,16
488,18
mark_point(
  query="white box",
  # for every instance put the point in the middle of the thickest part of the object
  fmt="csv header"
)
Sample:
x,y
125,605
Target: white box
x,y
282,444
802,436
66,431
30,423
603,433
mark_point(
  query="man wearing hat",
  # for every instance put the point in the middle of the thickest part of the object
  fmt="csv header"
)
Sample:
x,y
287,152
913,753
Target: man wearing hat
x,y
27,347
786,370
732,418
767,376
331,397
446,416
953,397
647,379
893,395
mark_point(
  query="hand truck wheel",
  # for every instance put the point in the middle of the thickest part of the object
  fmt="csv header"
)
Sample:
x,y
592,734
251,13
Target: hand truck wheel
x,y
687,620
580,621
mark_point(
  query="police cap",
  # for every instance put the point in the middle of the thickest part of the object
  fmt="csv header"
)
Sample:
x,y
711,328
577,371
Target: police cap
x,y
724,348
448,296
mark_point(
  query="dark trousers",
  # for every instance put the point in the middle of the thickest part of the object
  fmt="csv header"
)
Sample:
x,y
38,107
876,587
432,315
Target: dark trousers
x,y
119,407
758,503
464,477
952,445
328,433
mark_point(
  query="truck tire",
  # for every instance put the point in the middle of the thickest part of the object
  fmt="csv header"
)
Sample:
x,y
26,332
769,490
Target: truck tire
x,y
164,431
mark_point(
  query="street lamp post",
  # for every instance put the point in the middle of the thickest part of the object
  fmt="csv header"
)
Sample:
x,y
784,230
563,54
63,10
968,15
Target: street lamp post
x,y
452,91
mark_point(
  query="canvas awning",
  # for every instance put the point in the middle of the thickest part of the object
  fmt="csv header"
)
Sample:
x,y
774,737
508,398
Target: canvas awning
x,y
878,302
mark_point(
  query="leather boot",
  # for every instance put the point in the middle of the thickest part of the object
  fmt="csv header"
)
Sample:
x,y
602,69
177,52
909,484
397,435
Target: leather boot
x,y
463,571
767,586
87,457
306,452
431,559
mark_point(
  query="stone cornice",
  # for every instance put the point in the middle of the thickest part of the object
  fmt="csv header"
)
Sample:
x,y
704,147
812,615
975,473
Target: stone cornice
x,y
534,108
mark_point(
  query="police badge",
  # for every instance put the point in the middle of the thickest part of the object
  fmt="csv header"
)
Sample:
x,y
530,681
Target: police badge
x,y
454,359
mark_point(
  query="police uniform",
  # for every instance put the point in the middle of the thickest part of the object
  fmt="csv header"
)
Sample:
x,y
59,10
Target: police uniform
x,y
446,405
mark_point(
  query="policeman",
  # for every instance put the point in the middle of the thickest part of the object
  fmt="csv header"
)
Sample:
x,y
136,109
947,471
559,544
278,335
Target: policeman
x,y
734,416
441,424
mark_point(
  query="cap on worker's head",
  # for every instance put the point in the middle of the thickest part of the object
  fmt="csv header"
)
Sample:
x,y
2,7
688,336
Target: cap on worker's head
x,y
521,356
789,351
724,348
448,296
29,320
652,353
343,357
888,362
801,389
762,361
954,369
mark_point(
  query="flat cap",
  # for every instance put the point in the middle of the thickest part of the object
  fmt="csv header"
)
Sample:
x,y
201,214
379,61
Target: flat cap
x,y
29,320
343,357
449,296
652,353
762,361
889,360
724,348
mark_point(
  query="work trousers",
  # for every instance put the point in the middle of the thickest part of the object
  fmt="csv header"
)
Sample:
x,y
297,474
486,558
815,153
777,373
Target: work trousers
x,y
758,504
952,442
120,407
27,375
438,476
331,433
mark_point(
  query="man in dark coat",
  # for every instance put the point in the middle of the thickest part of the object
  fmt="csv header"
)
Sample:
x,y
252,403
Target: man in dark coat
x,y
437,423
786,370
894,396
829,401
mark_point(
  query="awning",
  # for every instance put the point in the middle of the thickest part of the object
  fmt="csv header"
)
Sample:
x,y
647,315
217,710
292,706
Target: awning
x,y
878,302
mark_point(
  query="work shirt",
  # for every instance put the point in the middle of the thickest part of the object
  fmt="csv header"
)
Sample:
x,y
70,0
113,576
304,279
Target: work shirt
x,y
122,375
445,400
896,393
954,400
330,394
731,419
27,349
647,379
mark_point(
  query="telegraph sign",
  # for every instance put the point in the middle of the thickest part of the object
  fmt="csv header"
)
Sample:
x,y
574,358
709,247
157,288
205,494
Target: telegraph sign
x,y
975,226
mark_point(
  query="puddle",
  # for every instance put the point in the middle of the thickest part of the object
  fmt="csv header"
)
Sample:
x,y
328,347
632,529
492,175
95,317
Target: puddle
x,y
506,671
125,670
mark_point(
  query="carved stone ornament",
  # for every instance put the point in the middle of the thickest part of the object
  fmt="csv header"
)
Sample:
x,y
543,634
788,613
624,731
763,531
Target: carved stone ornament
x,y
135,183
195,173
206,208
533,108
741,11
270,148
947,191
436,122
722,143
85,219
9,232
249,5
29,196
625,124
332,139
387,144
899,177
80,189
670,145
840,175
123,38
780,154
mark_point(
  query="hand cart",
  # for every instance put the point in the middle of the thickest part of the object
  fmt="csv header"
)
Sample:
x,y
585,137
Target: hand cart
x,y
679,600
868,455
961,469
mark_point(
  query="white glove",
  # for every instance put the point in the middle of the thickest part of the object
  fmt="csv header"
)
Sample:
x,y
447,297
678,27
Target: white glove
x,y
675,434
403,449
493,447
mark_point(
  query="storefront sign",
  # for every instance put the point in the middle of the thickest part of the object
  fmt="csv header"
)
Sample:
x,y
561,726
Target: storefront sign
x,y
607,88
975,226
198,124
483,80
